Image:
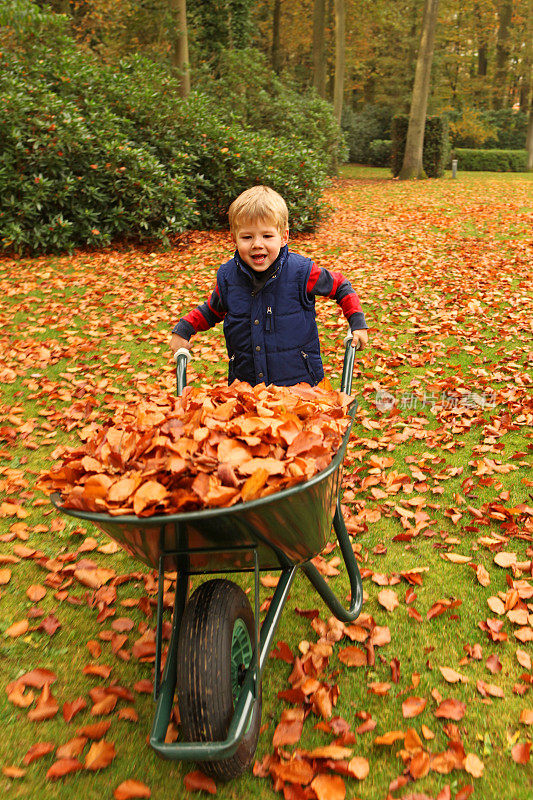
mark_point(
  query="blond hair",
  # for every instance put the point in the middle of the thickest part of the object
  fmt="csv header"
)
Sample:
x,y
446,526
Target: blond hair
x,y
259,203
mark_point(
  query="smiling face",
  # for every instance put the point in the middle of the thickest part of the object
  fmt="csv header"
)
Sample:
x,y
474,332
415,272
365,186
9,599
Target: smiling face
x,y
259,243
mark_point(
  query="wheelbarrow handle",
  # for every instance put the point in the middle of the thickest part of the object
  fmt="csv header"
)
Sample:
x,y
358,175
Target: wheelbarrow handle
x,y
347,367
182,356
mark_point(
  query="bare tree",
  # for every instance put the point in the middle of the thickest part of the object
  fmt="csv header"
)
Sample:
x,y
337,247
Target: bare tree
x,y
180,44
503,51
276,34
319,47
340,58
529,55
412,161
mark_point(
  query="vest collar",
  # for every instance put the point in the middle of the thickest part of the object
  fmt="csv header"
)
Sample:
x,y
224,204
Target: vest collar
x,y
260,279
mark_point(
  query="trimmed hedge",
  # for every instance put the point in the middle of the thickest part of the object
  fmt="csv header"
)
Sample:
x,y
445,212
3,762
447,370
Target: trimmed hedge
x,y
436,150
363,127
471,160
381,152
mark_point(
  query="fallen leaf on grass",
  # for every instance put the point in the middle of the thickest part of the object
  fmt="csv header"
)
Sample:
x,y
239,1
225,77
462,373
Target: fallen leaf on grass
x,y
46,706
62,767
388,599
521,752
451,676
526,716
130,789
95,731
38,750
329,787
71,709
390,737
72,748
289,728
473,765
450,709
413,706
100,755
352,656
196,781
358,767
13,772
17,629
523,658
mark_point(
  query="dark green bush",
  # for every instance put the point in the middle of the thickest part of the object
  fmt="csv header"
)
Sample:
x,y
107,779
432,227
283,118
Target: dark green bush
x,y
93,152
362,127
471,160
436,151
252,95
380,152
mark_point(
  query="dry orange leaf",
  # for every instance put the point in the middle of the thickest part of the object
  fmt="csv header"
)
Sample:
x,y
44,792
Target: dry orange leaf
x,y
451,709
62,767
130,789
37,751
5,576
35,592
352,656
72,748
100,755
388,599
358,767
329,787
473,765
17,629
390,737
413,706
289,728
526,716
521,752
196,781
452,676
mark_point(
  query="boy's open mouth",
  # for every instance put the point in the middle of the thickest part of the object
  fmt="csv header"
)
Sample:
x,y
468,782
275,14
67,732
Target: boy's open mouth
x,y
259,258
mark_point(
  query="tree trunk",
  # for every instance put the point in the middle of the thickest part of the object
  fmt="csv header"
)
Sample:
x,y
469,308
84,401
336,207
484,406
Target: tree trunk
x,y
276,45
412,161
319,47
503,50
529,58
340,58
180,45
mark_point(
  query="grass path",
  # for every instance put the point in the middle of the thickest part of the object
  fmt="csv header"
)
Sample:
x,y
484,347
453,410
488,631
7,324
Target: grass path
x,y
438,480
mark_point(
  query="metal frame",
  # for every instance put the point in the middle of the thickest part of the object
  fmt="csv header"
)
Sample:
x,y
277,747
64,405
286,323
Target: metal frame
x,y
164,689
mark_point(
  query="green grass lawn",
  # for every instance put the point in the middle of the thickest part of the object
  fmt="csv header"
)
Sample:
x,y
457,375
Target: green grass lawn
x,y
441,481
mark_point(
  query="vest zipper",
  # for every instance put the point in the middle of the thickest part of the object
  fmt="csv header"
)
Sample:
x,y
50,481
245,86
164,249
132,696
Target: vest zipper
x,y
268,326
308,366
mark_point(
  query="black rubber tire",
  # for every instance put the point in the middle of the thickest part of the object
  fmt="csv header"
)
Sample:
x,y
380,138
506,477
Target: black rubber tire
x,y
204,682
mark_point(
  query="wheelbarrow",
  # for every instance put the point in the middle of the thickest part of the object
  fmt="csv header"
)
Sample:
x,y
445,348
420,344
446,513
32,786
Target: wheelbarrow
x,y
218,651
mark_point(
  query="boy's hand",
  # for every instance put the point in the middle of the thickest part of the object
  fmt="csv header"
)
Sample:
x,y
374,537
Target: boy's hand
x,y
360,339
178,341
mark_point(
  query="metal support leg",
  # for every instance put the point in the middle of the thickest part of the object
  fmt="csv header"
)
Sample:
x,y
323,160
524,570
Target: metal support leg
x,y
356,584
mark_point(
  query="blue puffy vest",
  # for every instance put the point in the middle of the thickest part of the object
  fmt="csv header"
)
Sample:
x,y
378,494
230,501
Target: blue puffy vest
x,y
271,335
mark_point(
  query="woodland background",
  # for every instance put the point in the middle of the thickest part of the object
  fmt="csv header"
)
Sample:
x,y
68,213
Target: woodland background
x,y
144,118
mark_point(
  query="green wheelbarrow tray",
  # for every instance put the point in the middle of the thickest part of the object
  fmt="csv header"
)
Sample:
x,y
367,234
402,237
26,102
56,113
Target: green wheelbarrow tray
x,y
282,531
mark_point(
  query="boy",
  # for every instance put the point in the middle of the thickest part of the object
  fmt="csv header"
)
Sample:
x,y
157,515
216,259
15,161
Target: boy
x,y
266,297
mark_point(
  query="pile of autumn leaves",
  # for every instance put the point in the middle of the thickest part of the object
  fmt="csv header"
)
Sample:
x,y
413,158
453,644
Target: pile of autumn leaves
x,y
212,447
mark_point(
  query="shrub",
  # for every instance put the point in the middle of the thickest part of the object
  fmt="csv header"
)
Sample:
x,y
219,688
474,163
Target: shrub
x,y
252,95
471,160
470,128
504,129
363,127
436,150
380,152
93,152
